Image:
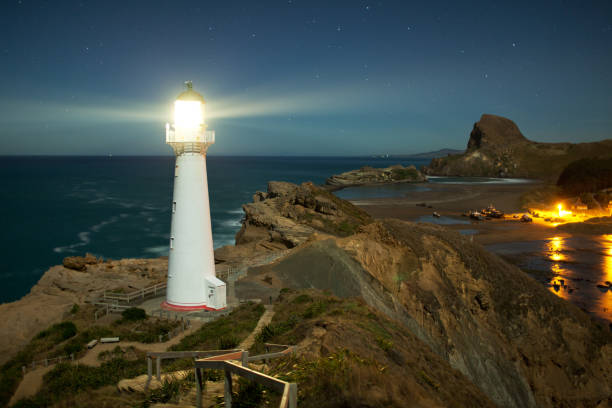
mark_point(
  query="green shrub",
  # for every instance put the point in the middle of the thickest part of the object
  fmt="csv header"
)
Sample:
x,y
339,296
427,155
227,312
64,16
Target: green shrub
x,y
403,174
303,298
133,314
58,332
68,379
249,395
227,342
315,309
276,329
168,391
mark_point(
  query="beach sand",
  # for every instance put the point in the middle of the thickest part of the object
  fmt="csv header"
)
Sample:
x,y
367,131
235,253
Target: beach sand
x,y
452,200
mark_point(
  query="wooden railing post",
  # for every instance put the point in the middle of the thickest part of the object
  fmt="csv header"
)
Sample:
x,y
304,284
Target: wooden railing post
x,y
292,395
245,359
149,372
198,379
158,368
228,389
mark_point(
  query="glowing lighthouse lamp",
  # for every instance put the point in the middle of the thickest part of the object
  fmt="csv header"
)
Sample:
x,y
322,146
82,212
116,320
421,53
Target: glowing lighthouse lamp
x,y
192,284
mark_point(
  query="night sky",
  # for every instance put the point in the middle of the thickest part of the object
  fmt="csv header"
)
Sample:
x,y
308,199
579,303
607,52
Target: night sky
x,y
300,77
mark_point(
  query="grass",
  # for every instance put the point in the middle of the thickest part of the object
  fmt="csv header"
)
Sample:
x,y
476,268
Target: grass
x,y
40,347
225,332
70,337
67,379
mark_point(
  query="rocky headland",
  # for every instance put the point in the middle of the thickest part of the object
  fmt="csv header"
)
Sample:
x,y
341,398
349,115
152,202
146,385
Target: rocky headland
x,y
439,308
519,344
497,148
369,175
288,214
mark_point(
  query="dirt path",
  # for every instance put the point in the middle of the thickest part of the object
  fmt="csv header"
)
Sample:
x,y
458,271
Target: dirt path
x,y
33,380
30,383
91,357
264,320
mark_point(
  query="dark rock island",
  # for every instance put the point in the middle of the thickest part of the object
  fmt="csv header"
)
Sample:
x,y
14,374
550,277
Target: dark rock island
x,y
370,175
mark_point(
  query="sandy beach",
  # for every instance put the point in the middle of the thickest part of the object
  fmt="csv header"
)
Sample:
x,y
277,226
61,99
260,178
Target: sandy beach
x,y
452,200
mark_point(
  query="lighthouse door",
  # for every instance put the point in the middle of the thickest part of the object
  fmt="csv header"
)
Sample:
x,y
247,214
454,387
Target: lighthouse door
x,y
211,295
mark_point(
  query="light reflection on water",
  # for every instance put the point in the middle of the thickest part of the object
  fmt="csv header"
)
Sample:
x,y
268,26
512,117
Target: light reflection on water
x,y
575,266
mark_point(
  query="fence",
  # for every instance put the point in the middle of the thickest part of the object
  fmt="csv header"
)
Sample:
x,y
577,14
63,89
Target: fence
x,y
46,362
240,271
219,360
137,294
287,390
108,308
171,355
201,314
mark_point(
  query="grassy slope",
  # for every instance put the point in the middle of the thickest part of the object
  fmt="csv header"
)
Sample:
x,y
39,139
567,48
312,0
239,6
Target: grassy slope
x,y
66,384
357,357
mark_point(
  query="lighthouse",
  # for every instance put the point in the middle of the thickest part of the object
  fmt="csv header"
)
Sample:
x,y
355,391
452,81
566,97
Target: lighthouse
x,y
192,284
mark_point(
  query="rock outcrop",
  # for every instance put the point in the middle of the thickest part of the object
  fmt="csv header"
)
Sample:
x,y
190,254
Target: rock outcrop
x,y
288,214
79,263
519,343
370,175
497,148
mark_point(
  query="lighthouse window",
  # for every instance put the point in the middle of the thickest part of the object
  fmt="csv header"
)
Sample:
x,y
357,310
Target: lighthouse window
x,y
171,242
173,207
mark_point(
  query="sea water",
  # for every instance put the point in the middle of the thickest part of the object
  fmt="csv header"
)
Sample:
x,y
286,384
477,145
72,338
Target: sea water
x,y
119,207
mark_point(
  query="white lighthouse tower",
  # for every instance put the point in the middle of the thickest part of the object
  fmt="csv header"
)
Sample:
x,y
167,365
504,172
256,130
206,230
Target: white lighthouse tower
x,y
192,284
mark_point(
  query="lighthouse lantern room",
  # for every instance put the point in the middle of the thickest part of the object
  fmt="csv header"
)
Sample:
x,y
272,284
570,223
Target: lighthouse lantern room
x,y
192,284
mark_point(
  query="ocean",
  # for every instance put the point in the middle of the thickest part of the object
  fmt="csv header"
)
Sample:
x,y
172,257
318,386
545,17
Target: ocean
x,y
119,207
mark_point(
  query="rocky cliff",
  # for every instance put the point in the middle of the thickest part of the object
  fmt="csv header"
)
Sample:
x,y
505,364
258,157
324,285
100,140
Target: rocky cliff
x,y
497,148
371,175
520,344
287,215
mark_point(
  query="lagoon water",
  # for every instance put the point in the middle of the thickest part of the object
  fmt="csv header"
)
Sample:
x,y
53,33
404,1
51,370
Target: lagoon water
x,y
571,267
119,207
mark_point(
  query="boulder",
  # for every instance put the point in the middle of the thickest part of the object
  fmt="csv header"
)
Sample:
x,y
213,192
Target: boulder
x,y
79,263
